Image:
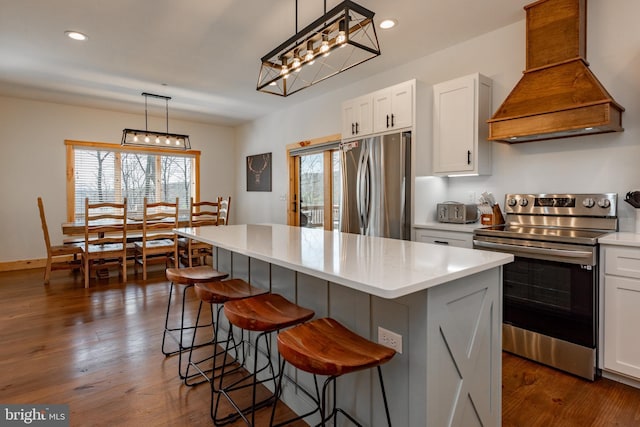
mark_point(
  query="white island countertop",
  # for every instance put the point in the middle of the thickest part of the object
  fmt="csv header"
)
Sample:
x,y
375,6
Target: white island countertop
x,y
387,268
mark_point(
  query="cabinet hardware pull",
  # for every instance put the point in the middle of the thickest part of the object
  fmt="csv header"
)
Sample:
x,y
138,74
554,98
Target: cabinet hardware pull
x,y
387,120
441,242
392,118
357,130
468,157
353,131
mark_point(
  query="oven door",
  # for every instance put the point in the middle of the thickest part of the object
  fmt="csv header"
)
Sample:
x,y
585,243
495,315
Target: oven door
x,y
552,298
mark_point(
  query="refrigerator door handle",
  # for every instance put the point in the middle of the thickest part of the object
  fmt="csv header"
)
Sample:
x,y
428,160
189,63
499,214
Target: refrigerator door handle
x,y
360,187
366,211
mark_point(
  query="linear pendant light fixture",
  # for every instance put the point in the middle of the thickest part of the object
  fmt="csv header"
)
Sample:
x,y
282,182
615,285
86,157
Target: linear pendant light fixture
x,y
147,138
340,39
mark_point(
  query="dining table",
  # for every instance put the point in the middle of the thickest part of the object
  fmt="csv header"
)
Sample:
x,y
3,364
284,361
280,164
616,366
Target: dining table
x,y
135,223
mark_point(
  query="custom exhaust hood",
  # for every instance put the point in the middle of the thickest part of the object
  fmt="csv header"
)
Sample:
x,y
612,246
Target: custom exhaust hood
x,y
558,96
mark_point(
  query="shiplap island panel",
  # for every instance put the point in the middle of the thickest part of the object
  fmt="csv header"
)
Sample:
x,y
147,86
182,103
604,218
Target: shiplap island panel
x,y
446,302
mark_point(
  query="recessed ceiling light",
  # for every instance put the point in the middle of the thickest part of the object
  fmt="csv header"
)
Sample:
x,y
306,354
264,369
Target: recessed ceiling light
x,y
75,35
388,23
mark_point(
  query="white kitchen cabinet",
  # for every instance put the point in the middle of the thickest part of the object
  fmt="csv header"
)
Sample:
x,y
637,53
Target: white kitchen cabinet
x,y
621,310
460,112
393,107
440,237
357,117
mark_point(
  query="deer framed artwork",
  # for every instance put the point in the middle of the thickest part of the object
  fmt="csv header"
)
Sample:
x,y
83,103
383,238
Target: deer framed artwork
x,y
259,172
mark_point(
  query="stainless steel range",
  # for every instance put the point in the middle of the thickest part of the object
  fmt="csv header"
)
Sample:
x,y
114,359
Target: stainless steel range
x,y
551,289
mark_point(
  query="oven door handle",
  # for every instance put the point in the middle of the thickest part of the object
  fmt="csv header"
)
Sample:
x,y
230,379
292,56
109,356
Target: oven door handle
x,y
532,250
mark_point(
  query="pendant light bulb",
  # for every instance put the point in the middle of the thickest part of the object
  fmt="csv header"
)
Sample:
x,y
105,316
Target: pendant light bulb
x,y
308,57
296,61
285,69
146,138
157,140
324,47
135,137
342,36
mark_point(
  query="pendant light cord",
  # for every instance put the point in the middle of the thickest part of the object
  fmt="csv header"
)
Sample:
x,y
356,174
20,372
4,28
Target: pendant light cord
x,y
166,107
146,124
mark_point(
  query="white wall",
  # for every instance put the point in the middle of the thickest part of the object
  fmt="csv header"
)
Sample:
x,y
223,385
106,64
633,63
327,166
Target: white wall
x,y
32,164
597,163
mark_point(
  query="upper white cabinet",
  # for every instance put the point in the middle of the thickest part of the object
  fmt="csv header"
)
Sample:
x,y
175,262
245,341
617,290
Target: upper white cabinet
x,y
393,107
381,111
357,117
461,108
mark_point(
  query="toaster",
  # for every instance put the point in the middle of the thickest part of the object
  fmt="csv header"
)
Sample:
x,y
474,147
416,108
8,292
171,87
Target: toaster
x,y
458,213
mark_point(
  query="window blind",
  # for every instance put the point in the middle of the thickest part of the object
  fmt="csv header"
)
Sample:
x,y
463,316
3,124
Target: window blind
x,y
106,175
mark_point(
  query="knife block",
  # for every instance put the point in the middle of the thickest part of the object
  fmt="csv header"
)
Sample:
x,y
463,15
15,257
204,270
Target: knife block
x,y
494,218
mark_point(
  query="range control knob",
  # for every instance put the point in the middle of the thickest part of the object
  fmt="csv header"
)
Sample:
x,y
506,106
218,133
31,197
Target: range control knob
x,y
524,202
604,203
512,202
588,202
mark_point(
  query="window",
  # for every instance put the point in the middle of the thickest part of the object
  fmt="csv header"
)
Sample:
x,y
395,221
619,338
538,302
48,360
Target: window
x,y
110,172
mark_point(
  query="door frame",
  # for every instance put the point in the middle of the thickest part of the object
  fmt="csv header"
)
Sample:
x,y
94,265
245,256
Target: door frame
x,y
293,167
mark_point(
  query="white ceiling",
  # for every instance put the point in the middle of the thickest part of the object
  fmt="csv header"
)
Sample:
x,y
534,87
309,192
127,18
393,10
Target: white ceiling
x,y
204,54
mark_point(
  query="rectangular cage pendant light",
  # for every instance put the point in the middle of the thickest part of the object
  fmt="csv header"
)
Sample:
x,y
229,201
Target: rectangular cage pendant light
x,y
340,39
148,138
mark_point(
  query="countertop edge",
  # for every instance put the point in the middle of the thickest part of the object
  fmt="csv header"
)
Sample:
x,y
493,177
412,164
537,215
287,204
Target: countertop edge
x,y
621,239
502,258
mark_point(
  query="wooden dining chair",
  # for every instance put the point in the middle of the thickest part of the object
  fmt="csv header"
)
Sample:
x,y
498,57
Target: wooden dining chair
x,y
224,206
105,238
159,242
59,257
201,214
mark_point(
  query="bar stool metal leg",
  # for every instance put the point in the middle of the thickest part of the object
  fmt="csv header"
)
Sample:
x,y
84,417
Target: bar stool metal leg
x,y
325,347
183,279
263,314
215,294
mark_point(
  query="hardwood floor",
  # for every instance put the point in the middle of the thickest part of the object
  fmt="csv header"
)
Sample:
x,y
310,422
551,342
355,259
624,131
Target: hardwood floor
x,y
98,350
534,395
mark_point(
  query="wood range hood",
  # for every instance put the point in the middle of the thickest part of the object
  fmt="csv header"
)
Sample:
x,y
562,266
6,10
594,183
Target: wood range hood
x,y
558,96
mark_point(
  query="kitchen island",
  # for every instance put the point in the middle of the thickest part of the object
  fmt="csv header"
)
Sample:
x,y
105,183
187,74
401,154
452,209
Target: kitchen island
x,y
444,302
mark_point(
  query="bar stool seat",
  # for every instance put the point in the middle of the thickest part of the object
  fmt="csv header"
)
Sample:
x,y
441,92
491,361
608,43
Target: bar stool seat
x,y
193,275
266,313
188,277
326,347
216,293
263,314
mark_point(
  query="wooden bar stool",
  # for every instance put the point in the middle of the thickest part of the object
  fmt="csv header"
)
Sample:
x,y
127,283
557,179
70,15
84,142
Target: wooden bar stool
x,y
325,347
262,314
188,277
216,293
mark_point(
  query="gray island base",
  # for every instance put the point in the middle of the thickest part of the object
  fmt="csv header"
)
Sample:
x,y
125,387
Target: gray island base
x,y
445,302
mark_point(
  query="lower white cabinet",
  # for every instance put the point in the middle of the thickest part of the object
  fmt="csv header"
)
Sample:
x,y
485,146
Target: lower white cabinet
x,y
621,335
440,237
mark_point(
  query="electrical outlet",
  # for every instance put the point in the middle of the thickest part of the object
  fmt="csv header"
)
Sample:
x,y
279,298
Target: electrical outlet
x,y
390,339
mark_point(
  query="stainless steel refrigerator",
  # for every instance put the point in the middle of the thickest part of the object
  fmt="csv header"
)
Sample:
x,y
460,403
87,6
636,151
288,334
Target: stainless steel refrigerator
x,y
376,186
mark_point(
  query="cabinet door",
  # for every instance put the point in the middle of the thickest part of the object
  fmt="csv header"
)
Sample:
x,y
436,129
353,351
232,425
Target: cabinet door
x,y
454,126
402,105
382,110
393,107
621,320
364,116
348,119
